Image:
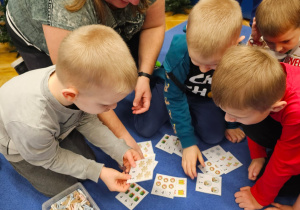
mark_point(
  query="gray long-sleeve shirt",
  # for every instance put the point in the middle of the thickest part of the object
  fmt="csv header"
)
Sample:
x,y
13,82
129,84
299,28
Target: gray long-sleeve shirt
x,y
32,122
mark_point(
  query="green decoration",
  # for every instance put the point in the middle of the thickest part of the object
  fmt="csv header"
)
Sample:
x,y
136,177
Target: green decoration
x,y
178,6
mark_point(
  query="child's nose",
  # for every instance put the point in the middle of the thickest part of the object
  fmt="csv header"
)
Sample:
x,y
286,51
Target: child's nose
x,y
204,68
278,47
228,118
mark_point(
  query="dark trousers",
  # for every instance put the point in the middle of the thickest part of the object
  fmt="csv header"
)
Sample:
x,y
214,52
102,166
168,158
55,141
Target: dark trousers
x,y
266,134
207,118
49,182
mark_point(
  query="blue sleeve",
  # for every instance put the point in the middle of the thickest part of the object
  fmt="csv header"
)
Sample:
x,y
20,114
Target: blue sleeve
x,y
177,61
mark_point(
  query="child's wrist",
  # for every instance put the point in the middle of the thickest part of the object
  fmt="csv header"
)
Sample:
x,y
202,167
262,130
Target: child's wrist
x,y
255,42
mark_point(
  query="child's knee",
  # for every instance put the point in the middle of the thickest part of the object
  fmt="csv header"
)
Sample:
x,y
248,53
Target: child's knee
x,y
211,137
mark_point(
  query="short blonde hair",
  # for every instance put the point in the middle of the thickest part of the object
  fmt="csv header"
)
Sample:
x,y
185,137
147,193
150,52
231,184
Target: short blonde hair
x,y
248,77
213,26
96,55
274,18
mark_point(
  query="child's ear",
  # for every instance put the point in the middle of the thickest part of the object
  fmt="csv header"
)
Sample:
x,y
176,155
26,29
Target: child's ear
x,y
70,94
278,106
241,38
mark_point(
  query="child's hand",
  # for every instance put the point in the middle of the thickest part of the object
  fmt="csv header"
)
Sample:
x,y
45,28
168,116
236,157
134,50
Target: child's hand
x,y
255,167
278,206
129,159
246,200
234,135
141,102
114,180
254,31
190,156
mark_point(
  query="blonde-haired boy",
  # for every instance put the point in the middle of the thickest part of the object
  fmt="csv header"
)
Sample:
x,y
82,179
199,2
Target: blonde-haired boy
x,y
278,22
188,68
43,136
252,87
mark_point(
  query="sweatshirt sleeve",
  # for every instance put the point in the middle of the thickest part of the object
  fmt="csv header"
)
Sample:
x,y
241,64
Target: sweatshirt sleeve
x,y
284,163
39,147
256,150
177,62
101,136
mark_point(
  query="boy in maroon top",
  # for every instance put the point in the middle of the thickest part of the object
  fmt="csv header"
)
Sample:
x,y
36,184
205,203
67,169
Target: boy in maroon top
x,y
252,87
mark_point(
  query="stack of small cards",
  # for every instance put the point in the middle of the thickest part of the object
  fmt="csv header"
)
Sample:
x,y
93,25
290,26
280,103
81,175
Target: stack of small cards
x,y
147,149
133,196
170,144
219,162
169,186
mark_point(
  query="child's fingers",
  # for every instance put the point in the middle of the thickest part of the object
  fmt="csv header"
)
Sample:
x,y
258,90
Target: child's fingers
x,y
245,188
130,159
122,176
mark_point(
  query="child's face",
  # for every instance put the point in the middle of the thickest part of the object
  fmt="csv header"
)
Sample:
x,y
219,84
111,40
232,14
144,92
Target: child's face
x,y
98,100
285,42
246,117
205,65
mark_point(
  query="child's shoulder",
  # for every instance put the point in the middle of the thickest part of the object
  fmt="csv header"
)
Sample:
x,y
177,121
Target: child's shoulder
x,y
177,53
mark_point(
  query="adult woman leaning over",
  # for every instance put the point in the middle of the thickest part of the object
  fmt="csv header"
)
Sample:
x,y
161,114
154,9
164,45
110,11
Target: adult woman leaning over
x,y
38,27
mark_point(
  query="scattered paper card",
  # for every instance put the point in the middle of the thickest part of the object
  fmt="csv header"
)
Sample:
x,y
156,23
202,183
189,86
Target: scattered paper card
x,y
228,162
143,170
133,196
170,144
164,144
211,168
169,186
214,153
147,149
209,184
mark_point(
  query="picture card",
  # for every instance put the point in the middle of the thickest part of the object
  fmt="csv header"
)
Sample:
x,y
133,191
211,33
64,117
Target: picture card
x,y
180,187
143,170
164,144
164,186
133,196
228,162
214,153
211,168
176,144
147,149
207,183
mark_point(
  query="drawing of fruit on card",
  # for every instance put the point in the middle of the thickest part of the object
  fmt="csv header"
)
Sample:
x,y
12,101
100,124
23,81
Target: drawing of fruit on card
x,y
131,195
207,183
217,172
228,164
142,192
181,181
229,158
136,199
208,163
158,183
223,158
164,186
215,179
171,186
166,179
214,190
236,164
137,189
180,192
132,185
159,177
172,180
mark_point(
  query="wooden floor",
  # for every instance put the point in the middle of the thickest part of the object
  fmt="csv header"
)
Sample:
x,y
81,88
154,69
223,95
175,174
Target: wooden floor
x,y
7,57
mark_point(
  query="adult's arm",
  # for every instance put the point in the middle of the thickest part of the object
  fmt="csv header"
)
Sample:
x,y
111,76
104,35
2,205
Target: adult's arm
x,y
151,40
54,37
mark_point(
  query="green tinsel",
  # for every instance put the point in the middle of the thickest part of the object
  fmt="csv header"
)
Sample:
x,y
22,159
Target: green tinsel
x,y
4,37
178,6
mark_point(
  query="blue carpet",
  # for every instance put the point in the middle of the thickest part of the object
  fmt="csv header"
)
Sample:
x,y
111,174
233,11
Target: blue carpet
x,y
16,193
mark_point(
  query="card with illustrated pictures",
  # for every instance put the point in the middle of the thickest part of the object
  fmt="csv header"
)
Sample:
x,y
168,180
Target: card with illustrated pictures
x,y
180,187
143,170
177,147
133,196
164,186
228,162
211,168
214,153
207,183
164,144
147,149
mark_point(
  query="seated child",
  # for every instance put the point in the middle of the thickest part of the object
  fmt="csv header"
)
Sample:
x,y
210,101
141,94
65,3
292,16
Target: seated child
x,y
279,24
278,206
212,28
250,85
45,114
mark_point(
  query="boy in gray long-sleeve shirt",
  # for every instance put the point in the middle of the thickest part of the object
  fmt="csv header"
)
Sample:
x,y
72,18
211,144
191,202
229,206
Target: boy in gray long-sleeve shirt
x,y
46,113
